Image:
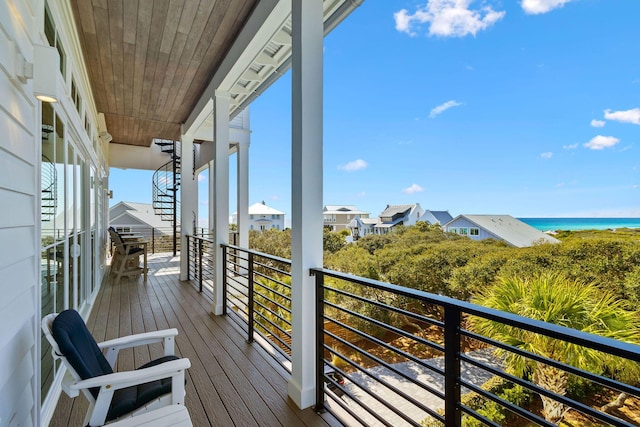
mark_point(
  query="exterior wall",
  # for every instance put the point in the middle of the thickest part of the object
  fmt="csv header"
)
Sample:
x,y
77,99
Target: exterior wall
x,y
458,226
339,221
414,215
260,222
118,210
129,221
20,225
24,244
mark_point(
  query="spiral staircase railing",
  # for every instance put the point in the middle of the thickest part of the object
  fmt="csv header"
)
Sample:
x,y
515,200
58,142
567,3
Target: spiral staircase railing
x,y
165,186
48,185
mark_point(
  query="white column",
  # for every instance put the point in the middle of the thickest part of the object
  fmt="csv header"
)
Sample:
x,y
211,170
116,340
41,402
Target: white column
x,y
188,201
243,192
306,188
212,186
221,192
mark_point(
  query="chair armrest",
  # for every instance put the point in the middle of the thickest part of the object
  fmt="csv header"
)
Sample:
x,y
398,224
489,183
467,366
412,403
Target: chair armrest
x,y
119,380
139,339
135,245
115,345
108,384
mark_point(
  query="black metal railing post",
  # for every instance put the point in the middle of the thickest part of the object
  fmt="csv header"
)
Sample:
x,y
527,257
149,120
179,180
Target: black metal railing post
x,y
452,412
153,240
319,341
251,301
199,265
188,255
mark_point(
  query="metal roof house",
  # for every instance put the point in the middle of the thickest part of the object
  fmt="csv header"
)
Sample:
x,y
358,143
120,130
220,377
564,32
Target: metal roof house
x,y
500,227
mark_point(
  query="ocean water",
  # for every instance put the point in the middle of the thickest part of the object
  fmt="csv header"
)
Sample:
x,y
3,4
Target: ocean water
x,y
551,224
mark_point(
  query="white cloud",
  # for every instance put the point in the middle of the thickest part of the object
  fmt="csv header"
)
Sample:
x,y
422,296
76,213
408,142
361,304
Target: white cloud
x,y
353,165
628,116
597,123
547,155
601,142
448,18
361,194
403,21
415,188
443,107
274,197
570,147
535,7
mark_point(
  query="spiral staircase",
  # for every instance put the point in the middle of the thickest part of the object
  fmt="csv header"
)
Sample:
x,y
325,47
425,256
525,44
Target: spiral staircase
x,y
48,185
166,183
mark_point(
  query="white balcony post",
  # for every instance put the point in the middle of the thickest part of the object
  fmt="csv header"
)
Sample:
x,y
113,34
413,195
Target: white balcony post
x,y
306,188
212,186
220,208
243,191
188,201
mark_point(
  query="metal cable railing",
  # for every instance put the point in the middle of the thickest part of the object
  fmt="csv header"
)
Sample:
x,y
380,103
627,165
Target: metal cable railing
x,y
200,256
257,292
386,361
389,355
160,239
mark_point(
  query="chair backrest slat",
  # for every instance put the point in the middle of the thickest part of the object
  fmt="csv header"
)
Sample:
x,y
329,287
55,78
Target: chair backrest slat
x,y
116,238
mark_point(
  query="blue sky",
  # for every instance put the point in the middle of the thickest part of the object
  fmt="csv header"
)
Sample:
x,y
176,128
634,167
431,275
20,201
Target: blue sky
x,y
529,108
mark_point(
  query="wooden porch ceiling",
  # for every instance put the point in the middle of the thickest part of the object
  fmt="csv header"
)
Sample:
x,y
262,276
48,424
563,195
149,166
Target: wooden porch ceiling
x,y
150,60
230,382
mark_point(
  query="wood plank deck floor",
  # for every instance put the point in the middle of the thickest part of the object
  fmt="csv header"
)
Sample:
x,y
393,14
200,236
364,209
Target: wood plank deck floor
x,y
230,382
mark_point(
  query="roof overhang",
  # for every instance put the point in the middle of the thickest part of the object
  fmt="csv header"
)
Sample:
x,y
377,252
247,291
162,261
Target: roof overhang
x,y
260,55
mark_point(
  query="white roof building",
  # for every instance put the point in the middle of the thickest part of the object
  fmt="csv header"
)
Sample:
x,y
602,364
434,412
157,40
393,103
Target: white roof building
x,y
262,217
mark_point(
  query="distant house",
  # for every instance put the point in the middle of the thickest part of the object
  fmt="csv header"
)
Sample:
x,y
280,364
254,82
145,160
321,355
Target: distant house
x,y
395,215
360,227
436,217
262,217
137,217
500,227
338,217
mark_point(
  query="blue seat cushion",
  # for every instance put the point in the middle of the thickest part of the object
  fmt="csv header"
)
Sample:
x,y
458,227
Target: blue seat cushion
x,y
133,251
79,347
131,398
81,350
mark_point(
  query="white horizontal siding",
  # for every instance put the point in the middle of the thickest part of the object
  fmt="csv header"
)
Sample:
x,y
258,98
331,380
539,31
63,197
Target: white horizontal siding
x,y
19,221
